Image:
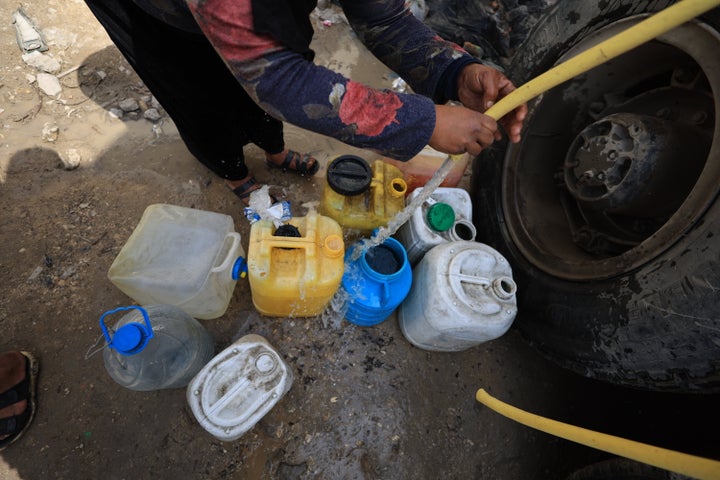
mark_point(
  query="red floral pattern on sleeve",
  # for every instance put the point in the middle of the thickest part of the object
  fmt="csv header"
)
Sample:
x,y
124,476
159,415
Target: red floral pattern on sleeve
x,y
370,110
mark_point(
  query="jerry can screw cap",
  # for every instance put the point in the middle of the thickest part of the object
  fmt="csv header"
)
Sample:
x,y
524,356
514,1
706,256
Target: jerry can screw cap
x,y
440,217
349,175
240,268
128,338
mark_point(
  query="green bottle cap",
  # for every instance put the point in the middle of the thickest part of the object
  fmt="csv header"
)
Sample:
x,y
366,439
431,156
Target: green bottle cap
x,y
440,217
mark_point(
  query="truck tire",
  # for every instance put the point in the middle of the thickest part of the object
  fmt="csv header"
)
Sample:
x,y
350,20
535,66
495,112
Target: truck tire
x,y
622,469
608,208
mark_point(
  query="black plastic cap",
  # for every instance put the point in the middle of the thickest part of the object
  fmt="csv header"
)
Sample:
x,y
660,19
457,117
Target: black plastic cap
x,y
349,175
287,230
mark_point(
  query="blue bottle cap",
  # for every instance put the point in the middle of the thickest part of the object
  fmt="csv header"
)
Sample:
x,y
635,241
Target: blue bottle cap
x,y
240,268
129,339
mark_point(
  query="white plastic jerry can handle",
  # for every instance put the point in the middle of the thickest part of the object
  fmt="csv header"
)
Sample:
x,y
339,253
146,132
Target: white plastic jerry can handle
x,y
230,259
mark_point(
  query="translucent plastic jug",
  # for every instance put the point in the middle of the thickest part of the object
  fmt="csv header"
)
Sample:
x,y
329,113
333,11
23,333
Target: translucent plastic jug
x,y
362,197
419,170
155,347
181,256
295,276
238,387
462,295
445,217
376,282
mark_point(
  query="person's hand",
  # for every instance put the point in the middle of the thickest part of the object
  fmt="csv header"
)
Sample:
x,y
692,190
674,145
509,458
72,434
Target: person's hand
x,y
480,87
459,130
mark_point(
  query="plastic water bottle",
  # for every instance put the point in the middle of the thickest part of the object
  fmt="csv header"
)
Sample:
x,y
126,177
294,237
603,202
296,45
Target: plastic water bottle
x,y
155,347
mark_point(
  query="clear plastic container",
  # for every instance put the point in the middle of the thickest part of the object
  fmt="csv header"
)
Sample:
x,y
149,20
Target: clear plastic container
x,y
181,256
238,387
155,347
462,295
424,230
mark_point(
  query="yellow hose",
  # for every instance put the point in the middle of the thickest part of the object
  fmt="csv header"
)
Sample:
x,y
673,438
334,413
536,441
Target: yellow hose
x,y
682,463
634,36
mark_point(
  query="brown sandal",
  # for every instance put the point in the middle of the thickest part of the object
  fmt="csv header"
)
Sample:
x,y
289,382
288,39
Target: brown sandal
x,y
16,425
303,164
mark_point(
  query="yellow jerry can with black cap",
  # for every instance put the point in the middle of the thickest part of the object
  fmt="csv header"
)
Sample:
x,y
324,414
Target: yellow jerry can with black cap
x,y
294,270
361,196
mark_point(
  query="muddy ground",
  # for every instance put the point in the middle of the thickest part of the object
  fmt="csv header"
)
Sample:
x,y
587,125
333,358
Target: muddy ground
x,y
365,403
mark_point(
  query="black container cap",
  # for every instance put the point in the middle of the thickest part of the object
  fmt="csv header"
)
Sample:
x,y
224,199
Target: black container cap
x,y
287,230
349,175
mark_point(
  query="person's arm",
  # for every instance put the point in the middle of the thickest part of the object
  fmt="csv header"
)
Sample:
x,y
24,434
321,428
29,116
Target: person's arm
x,y
438,69
406,45
293,89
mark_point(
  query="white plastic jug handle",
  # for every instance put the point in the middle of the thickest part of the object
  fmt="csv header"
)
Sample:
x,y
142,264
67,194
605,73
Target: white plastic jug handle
x,y
231,257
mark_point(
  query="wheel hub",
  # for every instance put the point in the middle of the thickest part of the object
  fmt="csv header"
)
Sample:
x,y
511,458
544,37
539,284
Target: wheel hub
x,y
627,164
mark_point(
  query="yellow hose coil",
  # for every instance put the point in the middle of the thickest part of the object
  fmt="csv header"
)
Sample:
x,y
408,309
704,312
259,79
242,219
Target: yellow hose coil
x,y
634,36
690,465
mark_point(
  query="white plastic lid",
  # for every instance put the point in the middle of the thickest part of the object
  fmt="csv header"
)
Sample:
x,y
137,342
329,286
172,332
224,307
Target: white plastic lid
x,y
238,387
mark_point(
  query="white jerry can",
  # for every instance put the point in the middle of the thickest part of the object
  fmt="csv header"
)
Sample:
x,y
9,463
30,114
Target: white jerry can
x,y
445,217
238,387
462,295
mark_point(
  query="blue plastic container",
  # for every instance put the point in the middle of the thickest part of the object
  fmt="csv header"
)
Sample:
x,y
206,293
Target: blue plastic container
x,y
376,282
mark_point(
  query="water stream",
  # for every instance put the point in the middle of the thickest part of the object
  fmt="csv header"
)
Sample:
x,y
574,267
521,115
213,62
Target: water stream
x,y
383,233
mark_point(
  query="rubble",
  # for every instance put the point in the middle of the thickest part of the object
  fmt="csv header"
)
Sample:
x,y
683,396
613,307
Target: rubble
x,y
49,84
41,61
71,159
129,105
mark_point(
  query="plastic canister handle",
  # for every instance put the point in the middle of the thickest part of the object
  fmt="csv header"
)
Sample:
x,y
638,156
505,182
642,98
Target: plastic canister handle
x,y
145,332
230,259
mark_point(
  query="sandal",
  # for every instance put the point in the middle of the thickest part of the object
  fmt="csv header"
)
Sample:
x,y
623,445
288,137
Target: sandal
x,y
246,189
301,165
16,425
243,191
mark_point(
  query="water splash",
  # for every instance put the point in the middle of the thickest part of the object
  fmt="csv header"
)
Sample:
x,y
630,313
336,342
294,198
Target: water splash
x,y
383,233
336,309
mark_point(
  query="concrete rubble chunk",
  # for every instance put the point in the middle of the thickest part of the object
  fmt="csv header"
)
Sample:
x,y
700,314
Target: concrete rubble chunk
x,y
42,62
71,159
129,105
152,114
49,84
50,132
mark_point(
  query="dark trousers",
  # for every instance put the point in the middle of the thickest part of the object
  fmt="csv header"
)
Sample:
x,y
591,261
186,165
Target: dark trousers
x,y
212,112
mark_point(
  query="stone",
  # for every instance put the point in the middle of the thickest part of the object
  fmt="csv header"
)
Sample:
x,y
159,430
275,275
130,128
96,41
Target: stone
x,y
152,114
129,105
49,84
42,62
